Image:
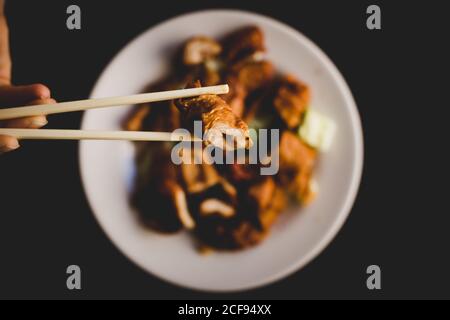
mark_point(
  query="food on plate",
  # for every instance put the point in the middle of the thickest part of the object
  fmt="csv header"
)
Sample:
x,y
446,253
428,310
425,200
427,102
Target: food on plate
x,y
228,206
218,120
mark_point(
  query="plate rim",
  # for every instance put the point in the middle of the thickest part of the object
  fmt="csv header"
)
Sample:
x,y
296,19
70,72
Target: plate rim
x,y
356,176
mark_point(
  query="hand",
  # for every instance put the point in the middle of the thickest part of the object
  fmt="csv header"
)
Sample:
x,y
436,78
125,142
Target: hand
x,y
13,96
18,96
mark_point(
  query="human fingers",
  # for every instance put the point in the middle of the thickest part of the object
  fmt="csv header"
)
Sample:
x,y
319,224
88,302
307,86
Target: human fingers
x,y
11,96
27,123
5,57
8,143
35,122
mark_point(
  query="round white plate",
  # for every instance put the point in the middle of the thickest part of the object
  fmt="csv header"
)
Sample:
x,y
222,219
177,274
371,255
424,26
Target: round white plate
x,y
107,168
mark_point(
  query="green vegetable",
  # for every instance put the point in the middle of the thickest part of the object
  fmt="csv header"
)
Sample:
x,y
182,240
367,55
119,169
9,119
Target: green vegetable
x,y
317,130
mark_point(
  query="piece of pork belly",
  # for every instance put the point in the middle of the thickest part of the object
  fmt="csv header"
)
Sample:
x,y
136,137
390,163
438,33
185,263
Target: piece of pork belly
x,y
291,100
236,96
263,203
254,75
278,203
243,43
297,161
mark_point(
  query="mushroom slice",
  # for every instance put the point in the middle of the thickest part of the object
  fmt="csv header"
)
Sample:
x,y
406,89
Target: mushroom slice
x,y
199,177
197,174
182,207
215,206
199,49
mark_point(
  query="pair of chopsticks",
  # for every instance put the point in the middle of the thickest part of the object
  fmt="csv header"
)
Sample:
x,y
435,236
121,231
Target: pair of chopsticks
x,y
82,105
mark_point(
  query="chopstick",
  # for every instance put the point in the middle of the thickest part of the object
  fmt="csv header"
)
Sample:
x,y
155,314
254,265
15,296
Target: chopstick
x,y
52,134
46,109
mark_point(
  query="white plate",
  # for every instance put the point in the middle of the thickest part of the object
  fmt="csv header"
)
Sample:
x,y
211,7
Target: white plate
x,y
107,168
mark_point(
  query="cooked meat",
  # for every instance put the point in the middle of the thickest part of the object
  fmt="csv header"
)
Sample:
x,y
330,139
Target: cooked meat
x,y
246,226
278,203
291,101
246,235
134,121
156,116
305,189
221,126
209,73
236,96
242,173
296,162
260,108
262,193
263,203
221,191
199,177
210,77
227,232
243,43
255,75
199,49
226,206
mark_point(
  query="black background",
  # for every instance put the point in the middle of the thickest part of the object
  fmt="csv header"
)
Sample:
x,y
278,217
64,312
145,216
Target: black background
x,y
400,220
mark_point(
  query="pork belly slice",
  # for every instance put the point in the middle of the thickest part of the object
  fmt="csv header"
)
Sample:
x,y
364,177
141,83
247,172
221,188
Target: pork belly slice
x,y
291,101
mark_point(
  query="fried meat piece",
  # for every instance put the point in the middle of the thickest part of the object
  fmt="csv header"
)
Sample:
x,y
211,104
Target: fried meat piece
x,y
243,43
262,193
263,202
236,96
228,233
278,203
221,126
253,222
296,162
254,75
242,173
246,235
248,223
291,100
134,121
156,116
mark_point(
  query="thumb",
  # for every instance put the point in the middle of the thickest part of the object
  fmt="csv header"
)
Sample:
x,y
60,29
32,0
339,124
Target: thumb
x,y
5,58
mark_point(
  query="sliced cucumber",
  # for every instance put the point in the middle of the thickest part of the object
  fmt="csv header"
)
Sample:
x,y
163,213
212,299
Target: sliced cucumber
x,y
317,130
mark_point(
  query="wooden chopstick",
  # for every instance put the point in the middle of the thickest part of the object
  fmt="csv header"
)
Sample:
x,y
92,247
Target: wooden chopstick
x,y
46,109
52,134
